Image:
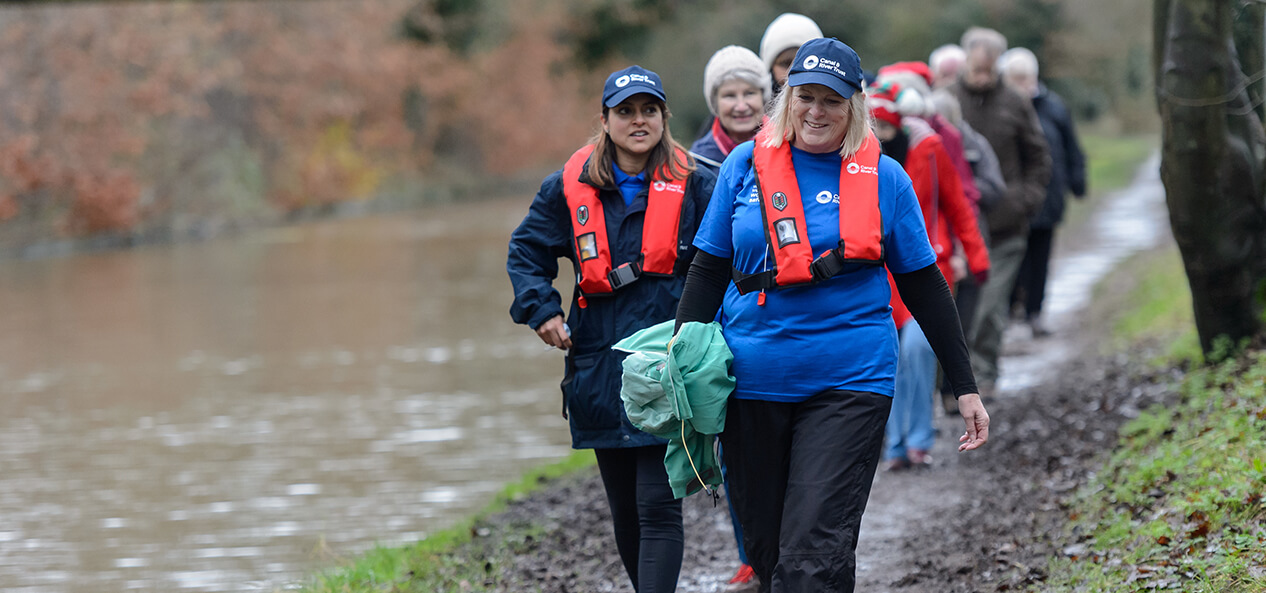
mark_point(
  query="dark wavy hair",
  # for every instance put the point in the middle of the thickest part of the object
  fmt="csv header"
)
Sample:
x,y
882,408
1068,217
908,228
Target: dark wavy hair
x,y
668,159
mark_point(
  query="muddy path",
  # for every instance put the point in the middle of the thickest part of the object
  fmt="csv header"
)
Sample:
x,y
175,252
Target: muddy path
x,y
982,521
914,534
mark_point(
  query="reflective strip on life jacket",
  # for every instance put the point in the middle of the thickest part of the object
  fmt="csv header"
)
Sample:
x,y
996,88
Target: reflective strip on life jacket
x,y
589,228
861,225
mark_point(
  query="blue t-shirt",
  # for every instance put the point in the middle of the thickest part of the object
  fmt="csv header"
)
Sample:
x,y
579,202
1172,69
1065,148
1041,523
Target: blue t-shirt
x,y
837,334
629,185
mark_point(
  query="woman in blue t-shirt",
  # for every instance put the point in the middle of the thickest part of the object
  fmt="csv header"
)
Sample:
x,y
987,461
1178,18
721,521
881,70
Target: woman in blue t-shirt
x,y
804,219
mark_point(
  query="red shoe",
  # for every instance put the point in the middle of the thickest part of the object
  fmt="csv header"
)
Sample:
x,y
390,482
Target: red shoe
x,y
745,574
919,457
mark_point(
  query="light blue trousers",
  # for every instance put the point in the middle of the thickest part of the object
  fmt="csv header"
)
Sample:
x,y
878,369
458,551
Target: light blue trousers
x,y
910,422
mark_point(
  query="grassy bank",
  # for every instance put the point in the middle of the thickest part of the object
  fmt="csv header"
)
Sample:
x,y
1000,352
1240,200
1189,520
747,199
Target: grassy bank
x,y
1179,503
1160,309
429,565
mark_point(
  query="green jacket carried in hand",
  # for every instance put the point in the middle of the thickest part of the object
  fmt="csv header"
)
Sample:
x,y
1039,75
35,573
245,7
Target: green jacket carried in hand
x,y
680,396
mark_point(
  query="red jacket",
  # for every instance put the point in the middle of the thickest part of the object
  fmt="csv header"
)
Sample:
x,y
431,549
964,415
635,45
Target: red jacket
x,y
953,141
946,211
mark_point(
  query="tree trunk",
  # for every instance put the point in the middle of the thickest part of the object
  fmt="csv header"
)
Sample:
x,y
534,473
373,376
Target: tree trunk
x,y
1250,26
1212,164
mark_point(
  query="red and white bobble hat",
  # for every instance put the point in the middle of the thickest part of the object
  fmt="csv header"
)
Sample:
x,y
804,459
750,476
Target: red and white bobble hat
x,y
882,101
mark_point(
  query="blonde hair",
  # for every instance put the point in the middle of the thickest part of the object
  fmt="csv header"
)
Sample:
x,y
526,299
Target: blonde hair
x,y
780,128
668,159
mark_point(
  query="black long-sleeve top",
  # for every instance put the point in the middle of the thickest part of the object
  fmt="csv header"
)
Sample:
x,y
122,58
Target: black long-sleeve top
x,y
924,292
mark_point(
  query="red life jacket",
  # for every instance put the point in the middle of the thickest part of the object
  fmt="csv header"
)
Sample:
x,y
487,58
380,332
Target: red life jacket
x,y
589,230
861,225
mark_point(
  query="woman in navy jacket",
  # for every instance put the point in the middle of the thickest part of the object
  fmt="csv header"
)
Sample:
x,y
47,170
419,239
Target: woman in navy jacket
x,y
624,210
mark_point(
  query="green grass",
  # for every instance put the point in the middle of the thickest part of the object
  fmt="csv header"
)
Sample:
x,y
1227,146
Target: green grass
x,y
1112,160
430,565
1161,308
1179,505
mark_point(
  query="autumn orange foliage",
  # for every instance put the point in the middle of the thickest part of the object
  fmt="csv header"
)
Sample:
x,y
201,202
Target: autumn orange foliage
x,y
118,116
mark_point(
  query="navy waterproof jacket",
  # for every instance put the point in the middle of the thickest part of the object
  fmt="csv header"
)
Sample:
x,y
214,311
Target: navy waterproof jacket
x,y
706,147
1068,162
591,382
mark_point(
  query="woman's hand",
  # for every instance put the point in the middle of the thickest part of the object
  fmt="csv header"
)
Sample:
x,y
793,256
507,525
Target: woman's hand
x,y
958,266
977,419
554,332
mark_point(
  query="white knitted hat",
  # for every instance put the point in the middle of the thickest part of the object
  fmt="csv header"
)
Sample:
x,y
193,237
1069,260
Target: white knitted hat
x,y
788,30
726,64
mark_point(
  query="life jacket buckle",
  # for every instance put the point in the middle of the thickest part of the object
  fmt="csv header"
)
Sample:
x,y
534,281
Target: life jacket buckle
x,y
624,275
826,265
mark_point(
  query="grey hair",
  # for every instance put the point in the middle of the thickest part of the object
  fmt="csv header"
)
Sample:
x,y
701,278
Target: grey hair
x,y
780,128
949,51
946,104
752,78
1018,61
987,39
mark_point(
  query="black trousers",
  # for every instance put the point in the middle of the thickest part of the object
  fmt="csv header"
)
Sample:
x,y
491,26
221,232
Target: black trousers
x,y
1031,283
645,515
801,475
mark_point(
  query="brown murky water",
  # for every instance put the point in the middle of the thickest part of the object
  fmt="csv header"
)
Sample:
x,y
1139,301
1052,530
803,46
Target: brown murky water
x,y
225,416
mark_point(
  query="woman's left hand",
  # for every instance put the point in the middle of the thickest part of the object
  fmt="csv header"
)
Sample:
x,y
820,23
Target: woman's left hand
x,y
977,419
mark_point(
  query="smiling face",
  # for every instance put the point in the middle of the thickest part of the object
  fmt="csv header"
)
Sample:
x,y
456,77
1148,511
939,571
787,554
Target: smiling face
x,y
635,126
739,107
819,118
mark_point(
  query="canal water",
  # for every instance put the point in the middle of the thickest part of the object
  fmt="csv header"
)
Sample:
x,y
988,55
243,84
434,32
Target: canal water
x,y
232,415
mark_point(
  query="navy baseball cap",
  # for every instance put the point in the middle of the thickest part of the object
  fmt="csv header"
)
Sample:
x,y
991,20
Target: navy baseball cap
x,y
830,63
631,81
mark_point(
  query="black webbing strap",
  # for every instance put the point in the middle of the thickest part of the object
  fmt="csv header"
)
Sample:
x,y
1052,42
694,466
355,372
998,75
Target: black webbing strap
x,y
624,275
746,283
828,265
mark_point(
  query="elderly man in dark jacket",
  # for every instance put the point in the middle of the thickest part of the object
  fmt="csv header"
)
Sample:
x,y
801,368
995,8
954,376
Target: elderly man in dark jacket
x,y
1068,173
1008,121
